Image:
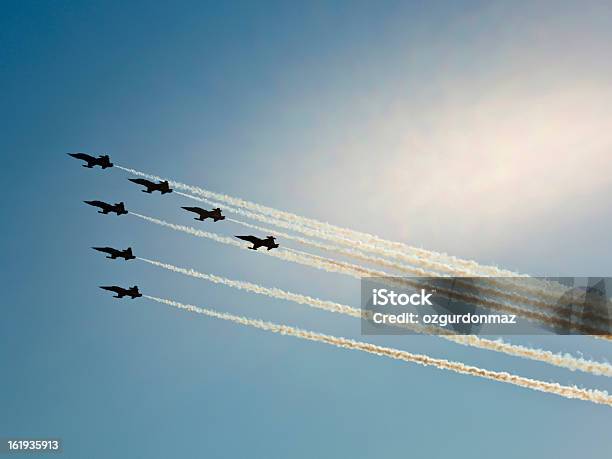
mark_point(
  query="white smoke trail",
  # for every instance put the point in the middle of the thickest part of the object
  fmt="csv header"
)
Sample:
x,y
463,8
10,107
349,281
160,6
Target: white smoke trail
x,y
358,272
355,254
259,289
287,254
571,392
347,235
484,286
368,242
561,360
317,233
506,288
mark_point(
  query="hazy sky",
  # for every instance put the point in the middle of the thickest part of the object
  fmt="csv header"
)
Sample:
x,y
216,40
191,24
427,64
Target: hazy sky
x,y
477,128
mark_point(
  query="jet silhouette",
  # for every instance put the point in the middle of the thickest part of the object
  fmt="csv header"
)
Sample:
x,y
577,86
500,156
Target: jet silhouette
x,y
215,214
114,253
103,160
118,208
121,292
162,187
268,242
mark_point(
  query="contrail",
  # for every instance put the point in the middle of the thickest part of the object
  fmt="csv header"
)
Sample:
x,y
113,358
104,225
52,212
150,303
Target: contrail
x,y
484,286
356,236
259,289
543,290
561,360
317,233
287,254
368,242
351,236
591,395
355,254
358,272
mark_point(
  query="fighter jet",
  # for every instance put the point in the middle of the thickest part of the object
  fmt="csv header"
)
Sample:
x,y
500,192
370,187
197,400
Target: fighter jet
x,y
162,187
103,160
215,214
118,208
114,253
121,292
268,242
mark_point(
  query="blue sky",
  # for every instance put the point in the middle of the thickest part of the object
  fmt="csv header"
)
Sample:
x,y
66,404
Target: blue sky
x,y
476,128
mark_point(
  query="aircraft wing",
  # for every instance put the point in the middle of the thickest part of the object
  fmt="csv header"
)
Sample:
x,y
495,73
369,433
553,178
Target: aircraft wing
x,y
251,239
141,181
98,204
83,156
197,210
104,249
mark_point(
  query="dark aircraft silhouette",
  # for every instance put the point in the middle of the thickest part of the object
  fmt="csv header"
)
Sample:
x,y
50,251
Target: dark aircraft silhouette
x,y
103,160
215,214
162,187
268,242
114,253
118,208
121,292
